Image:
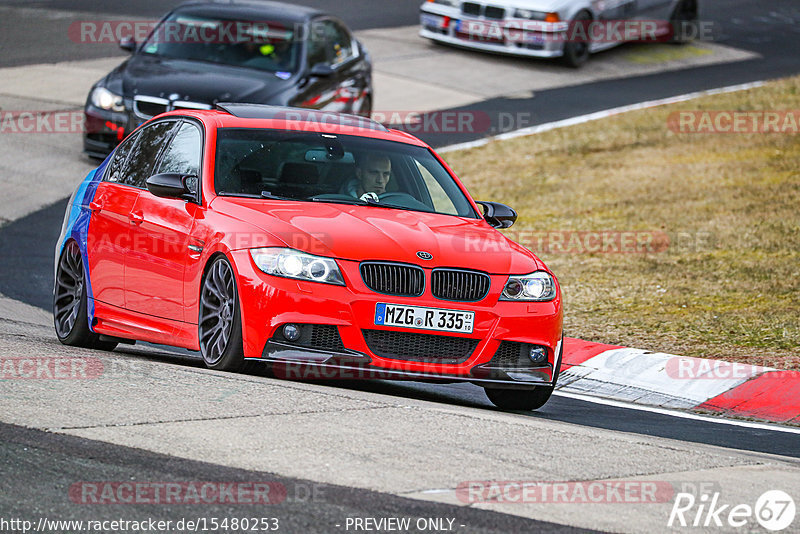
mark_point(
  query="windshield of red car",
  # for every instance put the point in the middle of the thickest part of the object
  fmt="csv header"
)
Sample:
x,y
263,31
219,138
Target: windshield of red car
x,y
261,45
321,167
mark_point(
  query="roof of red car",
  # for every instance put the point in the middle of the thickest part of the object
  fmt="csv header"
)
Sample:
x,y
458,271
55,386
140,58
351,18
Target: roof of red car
x,y
297,119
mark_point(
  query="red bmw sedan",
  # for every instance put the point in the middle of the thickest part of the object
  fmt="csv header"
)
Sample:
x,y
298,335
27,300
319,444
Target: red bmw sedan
x,y
305,240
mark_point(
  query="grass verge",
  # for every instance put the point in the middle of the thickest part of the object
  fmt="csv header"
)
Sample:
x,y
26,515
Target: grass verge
x,y
727,284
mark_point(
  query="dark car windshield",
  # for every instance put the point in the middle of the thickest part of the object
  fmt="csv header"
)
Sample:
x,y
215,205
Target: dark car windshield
x,y
262,45
343,169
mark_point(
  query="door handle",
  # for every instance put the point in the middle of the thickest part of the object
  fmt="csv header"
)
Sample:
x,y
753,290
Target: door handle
x,y
95,206
136,218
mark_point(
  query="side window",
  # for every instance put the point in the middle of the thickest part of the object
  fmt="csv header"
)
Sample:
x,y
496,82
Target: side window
x,y
317,51
144,153
340,44
117,163
185,152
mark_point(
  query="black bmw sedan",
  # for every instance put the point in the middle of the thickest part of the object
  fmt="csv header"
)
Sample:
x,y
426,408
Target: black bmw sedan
x,y
252,51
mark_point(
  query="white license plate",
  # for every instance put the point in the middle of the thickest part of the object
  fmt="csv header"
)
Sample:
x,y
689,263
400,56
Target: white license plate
x,y
480,28
424,318
432,21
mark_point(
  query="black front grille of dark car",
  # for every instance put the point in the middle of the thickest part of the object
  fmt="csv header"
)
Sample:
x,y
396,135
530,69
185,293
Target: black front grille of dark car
x,y
511,354
495,13
149,109
393,278
315,336
469,8
415,347
459,285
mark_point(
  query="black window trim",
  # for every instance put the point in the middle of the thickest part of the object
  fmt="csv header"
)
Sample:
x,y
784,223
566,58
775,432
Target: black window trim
x,y
191,120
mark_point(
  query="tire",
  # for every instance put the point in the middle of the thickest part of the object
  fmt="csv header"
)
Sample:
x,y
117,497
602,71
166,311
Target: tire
x,y
683,22
220,321
576,53
520,399
70,314
366,107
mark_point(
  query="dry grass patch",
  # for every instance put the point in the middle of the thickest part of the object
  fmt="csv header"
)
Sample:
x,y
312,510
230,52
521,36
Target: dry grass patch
x,y
728,285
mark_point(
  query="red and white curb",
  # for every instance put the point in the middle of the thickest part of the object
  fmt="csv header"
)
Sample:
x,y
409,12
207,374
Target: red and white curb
x,y
667,381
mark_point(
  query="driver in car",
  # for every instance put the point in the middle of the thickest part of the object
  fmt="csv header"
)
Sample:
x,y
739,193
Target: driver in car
x,y
373,172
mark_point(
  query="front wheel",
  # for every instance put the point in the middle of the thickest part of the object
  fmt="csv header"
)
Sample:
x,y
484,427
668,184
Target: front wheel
x,y
70,314
220,322
576,52
520,399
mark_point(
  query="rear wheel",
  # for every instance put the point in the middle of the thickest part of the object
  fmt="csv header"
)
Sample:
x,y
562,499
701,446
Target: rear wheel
x,y
220,323
683,23
576,52
520,399
70,315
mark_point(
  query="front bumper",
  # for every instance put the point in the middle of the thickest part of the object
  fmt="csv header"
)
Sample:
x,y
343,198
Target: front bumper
x,y
511,36
268,303
106,129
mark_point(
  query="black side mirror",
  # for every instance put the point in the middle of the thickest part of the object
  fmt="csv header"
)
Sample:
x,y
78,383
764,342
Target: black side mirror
x,y
321,70
171,185
498,215
127,44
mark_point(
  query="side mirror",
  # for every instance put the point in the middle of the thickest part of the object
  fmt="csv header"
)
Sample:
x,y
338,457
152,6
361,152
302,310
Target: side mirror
x,y
170,185
498,215
127,44
321,70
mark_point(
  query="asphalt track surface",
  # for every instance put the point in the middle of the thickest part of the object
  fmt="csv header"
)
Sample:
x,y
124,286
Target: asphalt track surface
x,y
32,460
42,467
43,227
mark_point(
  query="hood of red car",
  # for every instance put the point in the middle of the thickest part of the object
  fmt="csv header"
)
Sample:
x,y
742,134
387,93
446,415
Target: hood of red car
x,y
371,233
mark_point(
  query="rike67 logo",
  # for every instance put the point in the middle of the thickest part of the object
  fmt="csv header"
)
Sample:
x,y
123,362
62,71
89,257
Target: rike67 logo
x,y
774,510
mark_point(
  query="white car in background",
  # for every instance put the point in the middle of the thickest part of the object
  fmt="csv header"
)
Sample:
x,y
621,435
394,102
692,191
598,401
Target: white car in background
x,y
570,29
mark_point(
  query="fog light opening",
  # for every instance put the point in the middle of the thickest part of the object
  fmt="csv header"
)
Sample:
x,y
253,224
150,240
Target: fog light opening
x,y
537,354
291,332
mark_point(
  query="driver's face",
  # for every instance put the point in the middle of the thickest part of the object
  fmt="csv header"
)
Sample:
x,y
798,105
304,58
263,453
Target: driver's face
x,y
375,174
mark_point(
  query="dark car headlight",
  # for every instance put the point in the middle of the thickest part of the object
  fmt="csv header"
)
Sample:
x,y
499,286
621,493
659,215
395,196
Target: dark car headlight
x,y
105,99
291,263
539,287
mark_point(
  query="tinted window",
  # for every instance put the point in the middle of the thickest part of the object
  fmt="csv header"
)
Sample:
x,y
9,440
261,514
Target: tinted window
x,y
117,163
144,153
264,45
317,53
331,40
184,153
334,168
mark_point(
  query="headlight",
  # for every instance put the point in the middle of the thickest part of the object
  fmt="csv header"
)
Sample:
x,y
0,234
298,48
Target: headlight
x,y
292,263
451,3
105,99
538,286
536,15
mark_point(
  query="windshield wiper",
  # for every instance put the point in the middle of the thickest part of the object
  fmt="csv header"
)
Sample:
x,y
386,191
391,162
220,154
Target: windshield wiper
x,y
360,202
264,194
